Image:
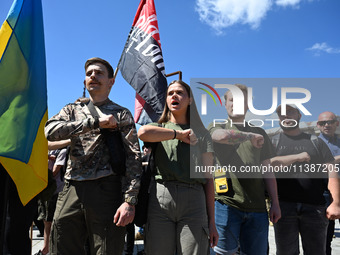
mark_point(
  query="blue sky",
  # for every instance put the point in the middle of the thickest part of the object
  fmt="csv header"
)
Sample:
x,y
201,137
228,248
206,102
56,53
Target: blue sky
x,y
203,39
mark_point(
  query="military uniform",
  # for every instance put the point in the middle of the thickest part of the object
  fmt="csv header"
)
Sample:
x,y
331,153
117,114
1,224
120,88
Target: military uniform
x,y
92,192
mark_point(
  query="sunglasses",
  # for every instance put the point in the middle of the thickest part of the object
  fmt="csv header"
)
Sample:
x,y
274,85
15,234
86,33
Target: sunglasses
x,y
323,123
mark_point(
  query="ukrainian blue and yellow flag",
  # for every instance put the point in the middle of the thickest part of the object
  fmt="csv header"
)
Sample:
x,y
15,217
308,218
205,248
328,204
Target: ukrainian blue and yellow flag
x,y
23,98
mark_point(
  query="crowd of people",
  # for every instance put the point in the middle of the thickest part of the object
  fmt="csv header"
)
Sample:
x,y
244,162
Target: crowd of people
x,y
93,205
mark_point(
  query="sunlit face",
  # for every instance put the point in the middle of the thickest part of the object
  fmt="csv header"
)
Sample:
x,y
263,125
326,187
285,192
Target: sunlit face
x,y
97,80
291,120
229,105
327,123
177,99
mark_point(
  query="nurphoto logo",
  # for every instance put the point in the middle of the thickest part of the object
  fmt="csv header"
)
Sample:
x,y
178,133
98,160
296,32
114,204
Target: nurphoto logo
x,y
238,98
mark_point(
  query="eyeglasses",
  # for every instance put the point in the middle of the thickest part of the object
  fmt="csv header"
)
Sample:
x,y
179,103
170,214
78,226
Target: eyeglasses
x,y
323,123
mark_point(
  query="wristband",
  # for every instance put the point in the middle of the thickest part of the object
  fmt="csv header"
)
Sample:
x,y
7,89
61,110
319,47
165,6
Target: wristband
x,y
175,134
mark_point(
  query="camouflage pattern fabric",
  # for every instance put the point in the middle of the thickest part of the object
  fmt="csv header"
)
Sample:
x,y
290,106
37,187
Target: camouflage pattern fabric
x,y
89,155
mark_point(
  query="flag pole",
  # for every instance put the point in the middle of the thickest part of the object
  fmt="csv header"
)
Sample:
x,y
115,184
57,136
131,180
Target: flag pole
x,y
116,72
174,73
4,203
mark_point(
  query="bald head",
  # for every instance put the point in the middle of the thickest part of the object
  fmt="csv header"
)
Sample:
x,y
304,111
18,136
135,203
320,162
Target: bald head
x,y
327,123
326,116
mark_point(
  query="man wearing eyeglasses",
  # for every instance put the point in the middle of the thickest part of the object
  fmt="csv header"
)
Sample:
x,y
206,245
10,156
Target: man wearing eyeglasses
x,y
300,189
327,123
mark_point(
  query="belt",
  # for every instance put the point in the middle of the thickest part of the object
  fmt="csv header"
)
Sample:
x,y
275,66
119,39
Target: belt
x,y
178,183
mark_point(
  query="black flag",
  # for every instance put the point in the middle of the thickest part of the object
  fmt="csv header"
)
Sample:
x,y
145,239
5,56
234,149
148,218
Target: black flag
x,y
142,66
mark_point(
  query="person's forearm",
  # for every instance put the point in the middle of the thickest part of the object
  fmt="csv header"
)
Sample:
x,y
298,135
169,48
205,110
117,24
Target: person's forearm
x,y
61,126
334,186
133,159
210,200
207,160
271,187
286,160
149,133
270,183
56,169
282,160
228,136
58,144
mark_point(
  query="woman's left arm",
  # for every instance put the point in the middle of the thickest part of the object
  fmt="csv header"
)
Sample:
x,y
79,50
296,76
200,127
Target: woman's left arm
x,y
210,199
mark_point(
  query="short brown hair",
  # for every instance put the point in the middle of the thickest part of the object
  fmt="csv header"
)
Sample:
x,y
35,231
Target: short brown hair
x,y
242,87
92,61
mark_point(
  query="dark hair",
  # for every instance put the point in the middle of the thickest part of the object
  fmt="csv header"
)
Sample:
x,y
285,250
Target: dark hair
x,y
192,115
92,61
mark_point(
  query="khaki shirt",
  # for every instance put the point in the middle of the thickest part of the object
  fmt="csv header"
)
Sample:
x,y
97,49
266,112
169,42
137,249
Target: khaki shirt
x,y
89,155
246,191
176,160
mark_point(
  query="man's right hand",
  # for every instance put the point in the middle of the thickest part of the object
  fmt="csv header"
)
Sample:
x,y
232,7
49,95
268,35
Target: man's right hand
x,y
333,211
107,121
257,140
187,136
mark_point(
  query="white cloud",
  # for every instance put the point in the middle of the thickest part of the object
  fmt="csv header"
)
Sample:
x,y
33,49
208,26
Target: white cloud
x,y
220,14
287,2
318,48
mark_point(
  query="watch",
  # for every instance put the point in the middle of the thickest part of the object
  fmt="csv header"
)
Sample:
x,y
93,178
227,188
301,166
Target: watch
x,y
131,200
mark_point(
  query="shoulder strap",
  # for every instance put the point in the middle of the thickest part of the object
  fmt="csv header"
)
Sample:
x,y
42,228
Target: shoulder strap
x,y
276,139
151,162
92,109
63,169
315,141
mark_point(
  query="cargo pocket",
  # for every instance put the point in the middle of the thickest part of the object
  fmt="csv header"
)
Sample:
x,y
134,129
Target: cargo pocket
x,y
53,240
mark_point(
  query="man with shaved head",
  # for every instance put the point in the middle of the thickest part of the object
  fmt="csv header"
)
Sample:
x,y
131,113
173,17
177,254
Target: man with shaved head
x,y
328,123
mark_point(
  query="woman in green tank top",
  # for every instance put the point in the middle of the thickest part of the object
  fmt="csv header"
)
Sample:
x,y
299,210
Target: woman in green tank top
x,y
181,206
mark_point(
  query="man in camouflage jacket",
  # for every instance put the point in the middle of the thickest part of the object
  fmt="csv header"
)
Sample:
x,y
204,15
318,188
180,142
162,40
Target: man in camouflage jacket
x,y
92,206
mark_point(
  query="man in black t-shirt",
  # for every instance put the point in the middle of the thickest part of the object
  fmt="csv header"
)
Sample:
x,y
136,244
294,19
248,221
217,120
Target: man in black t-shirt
x,y
308,162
